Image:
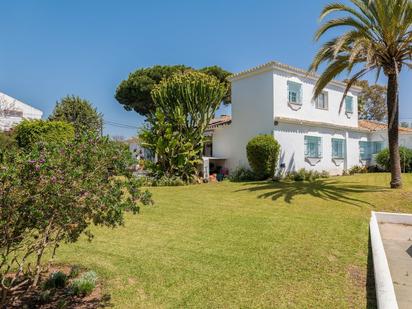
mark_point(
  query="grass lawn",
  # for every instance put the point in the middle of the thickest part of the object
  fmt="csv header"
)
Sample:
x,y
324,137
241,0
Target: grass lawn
x,y
245,245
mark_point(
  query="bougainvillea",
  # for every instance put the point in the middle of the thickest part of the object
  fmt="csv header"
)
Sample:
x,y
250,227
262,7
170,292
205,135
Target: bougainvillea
x,y
53,193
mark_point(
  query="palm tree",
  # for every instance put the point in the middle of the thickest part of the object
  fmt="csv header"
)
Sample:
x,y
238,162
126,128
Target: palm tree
x,y
378,38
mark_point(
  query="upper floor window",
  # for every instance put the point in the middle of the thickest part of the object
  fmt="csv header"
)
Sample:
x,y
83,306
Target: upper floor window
x,y
349,104
322,101
313,146
338,148
294,92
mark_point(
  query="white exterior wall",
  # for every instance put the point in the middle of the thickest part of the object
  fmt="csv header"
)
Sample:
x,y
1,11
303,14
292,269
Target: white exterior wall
x,y
9,103
404,140
259,98
291,138
308,110
252,114
221,142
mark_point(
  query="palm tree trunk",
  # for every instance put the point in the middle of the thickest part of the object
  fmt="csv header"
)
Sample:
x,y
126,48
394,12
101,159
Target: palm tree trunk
x,y
393,133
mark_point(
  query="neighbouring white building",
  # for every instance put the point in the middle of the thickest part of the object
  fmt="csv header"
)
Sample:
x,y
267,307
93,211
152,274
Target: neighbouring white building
x,y
13,111
314,134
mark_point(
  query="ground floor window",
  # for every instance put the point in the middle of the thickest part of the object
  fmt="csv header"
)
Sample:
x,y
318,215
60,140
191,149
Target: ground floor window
x,y
313,146
338,148
367,149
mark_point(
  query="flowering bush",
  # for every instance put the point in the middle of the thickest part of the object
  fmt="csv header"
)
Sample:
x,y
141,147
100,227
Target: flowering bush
x,y
52,193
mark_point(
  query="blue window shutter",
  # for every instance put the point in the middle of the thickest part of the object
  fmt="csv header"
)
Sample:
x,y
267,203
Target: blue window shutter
x,y
376,147
338,148
313,146
349,104
294,89
365,149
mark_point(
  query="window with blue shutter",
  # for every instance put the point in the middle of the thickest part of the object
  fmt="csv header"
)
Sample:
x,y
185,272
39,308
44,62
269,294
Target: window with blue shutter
x,y
294,92
367,149
349,104
377,147
313,146
321,101
338,148
364,150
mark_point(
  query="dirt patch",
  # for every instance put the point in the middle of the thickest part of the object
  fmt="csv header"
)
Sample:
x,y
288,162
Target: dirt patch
x,y
58,297
357,280
357,276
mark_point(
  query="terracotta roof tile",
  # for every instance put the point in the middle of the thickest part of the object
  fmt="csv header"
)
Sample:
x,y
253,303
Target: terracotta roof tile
x,y
221,121
379,126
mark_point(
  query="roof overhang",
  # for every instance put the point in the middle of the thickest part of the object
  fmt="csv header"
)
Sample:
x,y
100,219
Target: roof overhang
x,y
274,65
320,124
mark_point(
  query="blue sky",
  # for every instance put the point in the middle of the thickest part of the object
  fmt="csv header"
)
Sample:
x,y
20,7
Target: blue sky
x,y
86,47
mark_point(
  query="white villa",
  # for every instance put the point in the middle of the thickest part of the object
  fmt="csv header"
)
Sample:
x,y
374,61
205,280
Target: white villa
x,y
314,134
13,111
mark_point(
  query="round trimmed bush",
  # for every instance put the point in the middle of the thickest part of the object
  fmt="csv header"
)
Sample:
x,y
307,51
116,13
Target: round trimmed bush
x,y
30,132
262,154
383,159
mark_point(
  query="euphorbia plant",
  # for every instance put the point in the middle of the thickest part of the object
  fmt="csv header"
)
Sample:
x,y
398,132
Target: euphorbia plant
x,y
175,132
52,194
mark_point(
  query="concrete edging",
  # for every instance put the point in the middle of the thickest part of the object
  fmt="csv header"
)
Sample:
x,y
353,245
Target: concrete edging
x,y
385,292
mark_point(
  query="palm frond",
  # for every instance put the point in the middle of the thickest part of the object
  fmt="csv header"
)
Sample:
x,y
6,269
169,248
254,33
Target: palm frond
x,y
379,35
344,21
350,83
334,69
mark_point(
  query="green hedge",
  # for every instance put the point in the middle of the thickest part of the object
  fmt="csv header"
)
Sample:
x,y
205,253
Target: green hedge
x,y
262,154
30,132
383,160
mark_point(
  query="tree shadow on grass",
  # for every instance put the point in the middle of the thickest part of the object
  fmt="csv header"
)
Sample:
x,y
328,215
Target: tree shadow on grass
x,y
324,189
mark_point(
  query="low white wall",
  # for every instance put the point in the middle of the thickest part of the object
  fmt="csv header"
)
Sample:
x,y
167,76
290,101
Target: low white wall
x,y
385,291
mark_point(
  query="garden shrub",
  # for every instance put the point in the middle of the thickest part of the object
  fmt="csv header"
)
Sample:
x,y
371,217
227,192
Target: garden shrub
x,y
163,181
358,169
75,184
85,284
308,175
262,154
30,132
56,280
383,159
242,174
74,271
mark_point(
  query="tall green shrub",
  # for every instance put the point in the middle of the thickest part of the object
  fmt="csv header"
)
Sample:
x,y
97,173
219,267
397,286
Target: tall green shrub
x,y
30,132
383,159
78,112
262,154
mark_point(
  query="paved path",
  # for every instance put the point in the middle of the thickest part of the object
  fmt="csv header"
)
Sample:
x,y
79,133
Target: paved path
x,y
397,241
